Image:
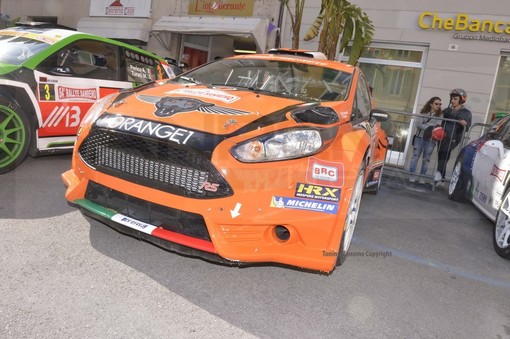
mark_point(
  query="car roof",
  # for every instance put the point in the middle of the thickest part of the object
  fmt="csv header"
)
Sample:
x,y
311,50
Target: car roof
x,y
299,59
52,35
48,35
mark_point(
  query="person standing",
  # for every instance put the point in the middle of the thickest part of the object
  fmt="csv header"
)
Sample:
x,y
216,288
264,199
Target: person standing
x,y
454,130
423,143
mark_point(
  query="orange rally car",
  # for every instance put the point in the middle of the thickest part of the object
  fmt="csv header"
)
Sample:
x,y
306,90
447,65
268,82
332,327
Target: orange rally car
x,y
248,159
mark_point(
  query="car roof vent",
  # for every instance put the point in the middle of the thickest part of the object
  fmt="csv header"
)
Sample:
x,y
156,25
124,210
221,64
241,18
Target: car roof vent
x,y
298,52
41,24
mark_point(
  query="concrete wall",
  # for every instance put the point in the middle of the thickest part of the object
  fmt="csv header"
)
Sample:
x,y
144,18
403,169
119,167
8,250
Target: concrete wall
x,y
472,66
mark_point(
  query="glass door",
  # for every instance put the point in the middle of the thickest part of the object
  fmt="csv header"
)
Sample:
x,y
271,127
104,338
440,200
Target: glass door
x,y
394,72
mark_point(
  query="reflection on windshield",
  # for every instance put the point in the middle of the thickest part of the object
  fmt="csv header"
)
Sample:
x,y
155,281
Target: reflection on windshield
x,y
308,82
16,50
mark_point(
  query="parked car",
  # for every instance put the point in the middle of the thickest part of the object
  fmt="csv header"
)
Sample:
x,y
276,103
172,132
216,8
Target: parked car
x,y
481,174
248,159
50,77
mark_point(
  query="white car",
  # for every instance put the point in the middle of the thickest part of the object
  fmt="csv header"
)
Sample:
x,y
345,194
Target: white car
x,y
482,175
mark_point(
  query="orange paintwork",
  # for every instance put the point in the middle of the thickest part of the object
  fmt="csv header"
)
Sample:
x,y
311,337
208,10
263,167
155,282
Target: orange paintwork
x,y
250,237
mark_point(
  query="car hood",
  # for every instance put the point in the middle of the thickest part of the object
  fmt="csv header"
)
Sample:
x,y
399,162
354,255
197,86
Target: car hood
x,y
218,110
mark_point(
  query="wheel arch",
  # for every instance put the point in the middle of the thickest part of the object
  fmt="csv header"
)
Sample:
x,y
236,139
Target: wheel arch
x,y
21,94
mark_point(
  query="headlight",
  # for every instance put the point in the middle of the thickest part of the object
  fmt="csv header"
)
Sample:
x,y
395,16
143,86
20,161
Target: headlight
x,y
96,109
283,145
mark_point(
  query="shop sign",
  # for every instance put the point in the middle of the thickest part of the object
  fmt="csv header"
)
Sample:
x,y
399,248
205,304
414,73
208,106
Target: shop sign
x,y
221,7
465,27
121,8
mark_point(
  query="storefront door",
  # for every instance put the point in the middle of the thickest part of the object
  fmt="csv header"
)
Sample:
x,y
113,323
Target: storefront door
x,y
395,74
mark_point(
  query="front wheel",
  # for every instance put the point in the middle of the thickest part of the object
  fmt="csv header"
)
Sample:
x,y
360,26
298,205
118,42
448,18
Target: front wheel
x,y
15,134
457,187
501,235
351,217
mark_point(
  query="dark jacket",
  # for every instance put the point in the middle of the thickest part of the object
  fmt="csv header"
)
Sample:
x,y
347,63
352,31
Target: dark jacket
x,y
454,130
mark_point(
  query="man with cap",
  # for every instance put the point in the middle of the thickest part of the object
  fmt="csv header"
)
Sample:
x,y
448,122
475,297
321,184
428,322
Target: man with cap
x,y
454,130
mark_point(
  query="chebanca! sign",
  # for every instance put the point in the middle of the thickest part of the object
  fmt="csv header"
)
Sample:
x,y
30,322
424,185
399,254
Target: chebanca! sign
x,y
464,25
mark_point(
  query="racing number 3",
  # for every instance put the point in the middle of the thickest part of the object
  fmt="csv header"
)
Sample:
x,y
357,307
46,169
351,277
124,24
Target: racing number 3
x,y
47,92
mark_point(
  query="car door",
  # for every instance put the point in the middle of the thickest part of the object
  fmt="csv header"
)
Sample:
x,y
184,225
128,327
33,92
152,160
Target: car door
x,y
491,168
71,80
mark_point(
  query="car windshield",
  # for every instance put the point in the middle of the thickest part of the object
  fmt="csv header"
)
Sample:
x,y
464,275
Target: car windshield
x,y
15,49
305,81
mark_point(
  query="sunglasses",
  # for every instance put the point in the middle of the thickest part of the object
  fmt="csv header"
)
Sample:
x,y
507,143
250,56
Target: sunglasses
x,y
437,103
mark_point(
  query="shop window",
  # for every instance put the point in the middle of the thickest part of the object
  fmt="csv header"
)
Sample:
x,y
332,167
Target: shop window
x,y
394,73
500,101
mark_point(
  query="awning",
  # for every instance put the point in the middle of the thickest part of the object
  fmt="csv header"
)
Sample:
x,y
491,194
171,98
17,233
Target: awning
x,y
210,25
116,28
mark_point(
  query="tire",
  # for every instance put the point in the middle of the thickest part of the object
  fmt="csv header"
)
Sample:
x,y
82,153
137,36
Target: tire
x,y
15,135
351,217
457,187
501,234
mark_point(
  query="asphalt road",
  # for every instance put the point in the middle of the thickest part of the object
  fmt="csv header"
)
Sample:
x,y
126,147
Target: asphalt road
x,y
421,266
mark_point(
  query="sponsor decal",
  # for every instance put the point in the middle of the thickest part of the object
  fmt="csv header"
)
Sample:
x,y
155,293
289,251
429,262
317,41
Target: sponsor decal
x,y
168,106
317,192
47,92
68,93
206,93
376,175
482,197
147,128
498,173
303,204
133,223
68,115
325,172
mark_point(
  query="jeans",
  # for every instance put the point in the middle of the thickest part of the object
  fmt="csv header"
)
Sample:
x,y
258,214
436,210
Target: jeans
x,y
443,154
424,147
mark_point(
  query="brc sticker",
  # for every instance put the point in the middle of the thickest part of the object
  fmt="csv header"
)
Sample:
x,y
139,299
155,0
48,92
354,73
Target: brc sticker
x,y
325,172
317,192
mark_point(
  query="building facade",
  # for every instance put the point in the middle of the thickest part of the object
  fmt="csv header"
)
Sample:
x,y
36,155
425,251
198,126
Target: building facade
x,y
420,49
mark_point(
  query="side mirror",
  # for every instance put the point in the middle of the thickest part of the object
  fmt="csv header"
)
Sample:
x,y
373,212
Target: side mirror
x,y
497,144
379,114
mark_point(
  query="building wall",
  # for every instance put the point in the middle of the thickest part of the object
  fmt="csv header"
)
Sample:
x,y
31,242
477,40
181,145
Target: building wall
x,y
68,12
472,66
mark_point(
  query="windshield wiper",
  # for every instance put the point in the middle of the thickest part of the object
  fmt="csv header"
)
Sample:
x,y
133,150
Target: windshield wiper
x,y
191,80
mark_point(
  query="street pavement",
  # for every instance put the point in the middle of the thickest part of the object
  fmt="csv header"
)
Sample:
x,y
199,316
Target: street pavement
x,y
420,266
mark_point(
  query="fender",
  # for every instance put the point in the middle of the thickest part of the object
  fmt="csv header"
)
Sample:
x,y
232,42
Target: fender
x,y
30,94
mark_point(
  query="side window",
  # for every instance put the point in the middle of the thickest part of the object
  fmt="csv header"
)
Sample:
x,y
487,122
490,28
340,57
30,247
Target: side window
x,y
501,131
499,128
84,59
140,68
362,102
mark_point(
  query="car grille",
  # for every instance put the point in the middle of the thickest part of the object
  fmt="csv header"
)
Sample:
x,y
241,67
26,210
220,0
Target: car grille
x,y
171,219
157,164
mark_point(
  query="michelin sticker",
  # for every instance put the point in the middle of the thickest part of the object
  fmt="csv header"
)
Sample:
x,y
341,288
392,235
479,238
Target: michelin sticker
x,y
303,204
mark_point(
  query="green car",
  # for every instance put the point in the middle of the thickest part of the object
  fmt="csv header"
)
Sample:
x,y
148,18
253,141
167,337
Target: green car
x,y
50,77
